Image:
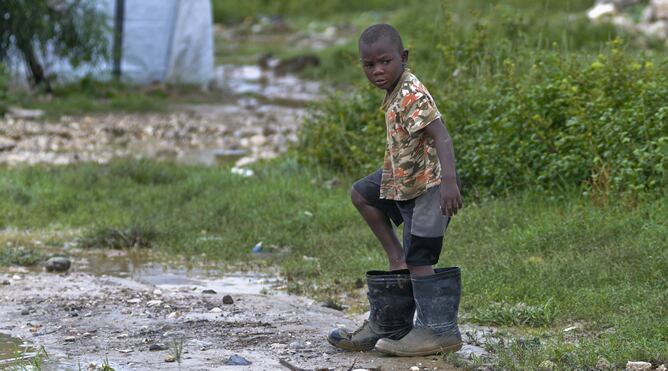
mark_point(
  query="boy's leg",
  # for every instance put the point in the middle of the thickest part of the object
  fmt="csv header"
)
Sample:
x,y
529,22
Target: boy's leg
x,y
437,293
379,214
390,293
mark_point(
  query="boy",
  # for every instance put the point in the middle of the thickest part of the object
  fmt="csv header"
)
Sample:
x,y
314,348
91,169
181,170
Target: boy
x,y
417,186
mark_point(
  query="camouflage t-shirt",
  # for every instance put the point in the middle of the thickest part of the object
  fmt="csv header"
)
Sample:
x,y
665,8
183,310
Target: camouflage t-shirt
x,y
411,164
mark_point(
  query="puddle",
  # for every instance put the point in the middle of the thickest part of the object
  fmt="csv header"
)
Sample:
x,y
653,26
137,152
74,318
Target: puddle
x,y
13,349
253,80
211,157
140,266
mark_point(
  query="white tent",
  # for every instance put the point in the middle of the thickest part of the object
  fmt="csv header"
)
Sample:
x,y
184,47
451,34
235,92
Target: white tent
x,y
162,41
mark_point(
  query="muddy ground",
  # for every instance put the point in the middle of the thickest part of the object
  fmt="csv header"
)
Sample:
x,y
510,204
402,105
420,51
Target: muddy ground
x,y
136,315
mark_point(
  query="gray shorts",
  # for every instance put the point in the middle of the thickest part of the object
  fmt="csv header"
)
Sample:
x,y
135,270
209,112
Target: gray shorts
x,y
424,223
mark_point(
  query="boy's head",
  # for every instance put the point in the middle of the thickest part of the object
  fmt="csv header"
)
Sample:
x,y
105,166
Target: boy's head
x,y
382,55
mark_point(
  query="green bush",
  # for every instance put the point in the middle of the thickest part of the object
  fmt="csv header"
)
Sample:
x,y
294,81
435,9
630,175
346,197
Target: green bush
x,y
523,114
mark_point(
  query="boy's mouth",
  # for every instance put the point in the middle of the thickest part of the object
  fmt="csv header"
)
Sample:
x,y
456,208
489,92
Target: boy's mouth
x,y
380,82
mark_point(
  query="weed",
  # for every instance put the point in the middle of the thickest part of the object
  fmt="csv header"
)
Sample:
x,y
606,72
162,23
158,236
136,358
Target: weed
x,y
105,365
112,238
176,349
518,314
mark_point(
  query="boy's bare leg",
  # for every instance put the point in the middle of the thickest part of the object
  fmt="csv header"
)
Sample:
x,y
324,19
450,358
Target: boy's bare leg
x,y
421,270
381,227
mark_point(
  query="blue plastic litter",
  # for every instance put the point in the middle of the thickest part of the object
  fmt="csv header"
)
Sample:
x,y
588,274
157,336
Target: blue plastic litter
x,y
236,360
257,248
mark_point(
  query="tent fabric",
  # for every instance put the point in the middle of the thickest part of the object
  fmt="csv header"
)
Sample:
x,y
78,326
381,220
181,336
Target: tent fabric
x,y
168,41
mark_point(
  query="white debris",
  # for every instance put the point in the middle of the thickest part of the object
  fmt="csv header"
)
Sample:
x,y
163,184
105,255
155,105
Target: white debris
x,y
599,11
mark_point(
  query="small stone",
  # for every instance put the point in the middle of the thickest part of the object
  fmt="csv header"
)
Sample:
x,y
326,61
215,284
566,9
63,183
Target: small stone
x,y
157,292
228,300
547,365
638,366
415,368
216,310
156,347
69,339
152,303
125,351
5,283
25,312
16,277
170,358
236,360
58,264
603,364
661,367
174,315
208,291
296,345
134,301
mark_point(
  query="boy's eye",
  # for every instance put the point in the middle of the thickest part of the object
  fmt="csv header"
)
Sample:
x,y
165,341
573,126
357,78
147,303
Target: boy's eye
x,y
386,61
368,65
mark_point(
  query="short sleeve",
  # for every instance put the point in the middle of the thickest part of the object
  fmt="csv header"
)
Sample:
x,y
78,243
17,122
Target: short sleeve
x,y
418,110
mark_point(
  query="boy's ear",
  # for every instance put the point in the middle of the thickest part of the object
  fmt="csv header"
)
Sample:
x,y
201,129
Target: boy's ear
x,y
404,56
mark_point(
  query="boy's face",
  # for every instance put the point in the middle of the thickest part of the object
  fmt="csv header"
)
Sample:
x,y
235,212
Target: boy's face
x,y
382,63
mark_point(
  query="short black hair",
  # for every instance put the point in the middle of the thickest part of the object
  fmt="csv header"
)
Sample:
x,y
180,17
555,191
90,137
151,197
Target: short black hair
x,y
378,31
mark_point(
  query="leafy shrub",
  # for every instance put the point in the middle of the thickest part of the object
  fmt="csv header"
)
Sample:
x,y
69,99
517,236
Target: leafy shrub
x,y
522,114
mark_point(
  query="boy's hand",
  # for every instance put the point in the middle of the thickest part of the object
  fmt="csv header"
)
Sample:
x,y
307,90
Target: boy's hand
x,y
451,199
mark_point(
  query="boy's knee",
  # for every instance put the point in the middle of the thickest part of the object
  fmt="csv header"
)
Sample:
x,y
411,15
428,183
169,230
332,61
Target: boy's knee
x,y
357,199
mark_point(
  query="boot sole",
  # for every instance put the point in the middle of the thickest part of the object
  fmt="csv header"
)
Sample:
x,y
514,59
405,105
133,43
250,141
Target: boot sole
x,y
449,349
352,347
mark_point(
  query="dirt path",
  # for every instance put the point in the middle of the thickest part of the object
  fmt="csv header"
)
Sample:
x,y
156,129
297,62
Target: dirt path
x,y
81,318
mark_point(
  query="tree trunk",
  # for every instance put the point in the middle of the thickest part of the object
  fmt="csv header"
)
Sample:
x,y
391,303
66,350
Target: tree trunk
x,y
36,69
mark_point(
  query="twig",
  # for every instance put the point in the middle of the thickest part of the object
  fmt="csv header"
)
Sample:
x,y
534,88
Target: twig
x,y
290,366
353,365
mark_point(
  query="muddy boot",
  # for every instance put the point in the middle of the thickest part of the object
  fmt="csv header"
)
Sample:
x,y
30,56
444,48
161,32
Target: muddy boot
x,y
435,330
392,307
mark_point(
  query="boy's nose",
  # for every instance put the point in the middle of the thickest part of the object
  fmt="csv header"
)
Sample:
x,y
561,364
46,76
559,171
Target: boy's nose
x,y
378,71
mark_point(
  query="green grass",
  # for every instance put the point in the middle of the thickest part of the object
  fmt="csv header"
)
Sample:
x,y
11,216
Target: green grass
x,y
532,264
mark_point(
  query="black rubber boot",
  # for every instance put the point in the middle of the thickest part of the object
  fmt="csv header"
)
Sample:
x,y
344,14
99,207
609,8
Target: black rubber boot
x,y
435,331
392,308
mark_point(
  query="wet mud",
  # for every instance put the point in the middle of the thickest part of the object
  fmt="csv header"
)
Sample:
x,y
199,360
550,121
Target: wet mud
x,y
138,315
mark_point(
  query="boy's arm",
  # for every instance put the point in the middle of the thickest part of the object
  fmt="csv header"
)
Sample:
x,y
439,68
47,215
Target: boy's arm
x,y
451,199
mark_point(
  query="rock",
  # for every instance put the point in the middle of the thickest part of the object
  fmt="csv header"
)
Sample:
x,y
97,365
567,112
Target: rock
x,y
174,315
659,9
25,312
153,303
6,144
638,366
603,364
257,140
134,301
156,347
547,365
5,283
661,367
236,360
58,264
170,358
216,310
296,64
228,300
16,277
69,339
296,345
209,291
415,368
125,351
22,113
